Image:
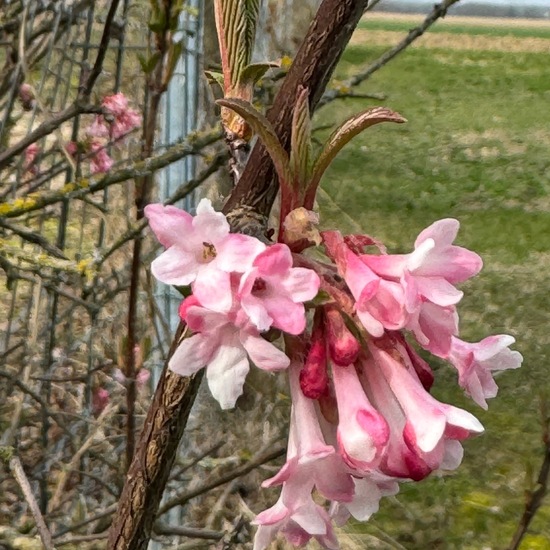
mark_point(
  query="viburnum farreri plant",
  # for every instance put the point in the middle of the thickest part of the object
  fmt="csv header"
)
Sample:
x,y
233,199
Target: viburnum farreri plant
x,y
347,329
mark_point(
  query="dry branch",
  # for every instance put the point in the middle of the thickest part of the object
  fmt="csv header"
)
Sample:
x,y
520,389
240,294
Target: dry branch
x,y
193,145
18,473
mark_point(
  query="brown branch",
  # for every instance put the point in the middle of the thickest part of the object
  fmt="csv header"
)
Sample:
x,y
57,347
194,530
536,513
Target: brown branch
x,y
252,198
35,238
312,68
260,459
193,145
19,474
190,532
535,497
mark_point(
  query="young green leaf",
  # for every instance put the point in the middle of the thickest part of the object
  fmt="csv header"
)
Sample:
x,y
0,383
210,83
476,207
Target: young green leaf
x,y
253,72
261,126
341,136
214,77
236,25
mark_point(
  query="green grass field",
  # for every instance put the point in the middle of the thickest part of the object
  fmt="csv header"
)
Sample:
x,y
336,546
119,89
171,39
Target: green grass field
x,y
477,148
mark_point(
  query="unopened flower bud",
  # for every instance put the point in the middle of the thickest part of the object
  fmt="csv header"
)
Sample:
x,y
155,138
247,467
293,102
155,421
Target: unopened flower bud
x,y
26,96
100,399
342,345
300,229
314,375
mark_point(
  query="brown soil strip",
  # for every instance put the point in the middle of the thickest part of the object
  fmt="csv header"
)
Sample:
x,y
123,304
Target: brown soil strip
x,y
453,41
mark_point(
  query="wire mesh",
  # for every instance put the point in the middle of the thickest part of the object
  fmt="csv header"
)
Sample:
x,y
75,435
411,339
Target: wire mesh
x,y
62,324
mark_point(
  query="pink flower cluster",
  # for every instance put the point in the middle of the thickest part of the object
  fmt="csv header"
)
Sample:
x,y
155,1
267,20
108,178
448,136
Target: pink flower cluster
x,y
362,417
240,289
117,122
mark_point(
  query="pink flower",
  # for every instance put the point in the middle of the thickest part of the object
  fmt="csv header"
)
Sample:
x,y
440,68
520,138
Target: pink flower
x,y
298,518
100,400
436,264
26,96
362,431
433,327
428,275
272,292
475,362
223,343
98,128
31,153
309,457
116,104
142,377
100,161
379,302
72,148
368,491
424,433
200,250
125,118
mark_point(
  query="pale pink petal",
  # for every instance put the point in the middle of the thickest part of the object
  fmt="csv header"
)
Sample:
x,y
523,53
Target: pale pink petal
x,y
200,319
438,290
257,312
453,455
212,226
361,280
372,325
368,493
434,327
286,315
212,288
490,347
362,431
278,512
310,520
390,266
237,252
443,232
226,372
170,224
262,353
192,354
302,284
175,266
456,264
275,260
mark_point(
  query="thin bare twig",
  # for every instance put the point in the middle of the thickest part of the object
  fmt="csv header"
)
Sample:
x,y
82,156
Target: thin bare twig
x,y
190,532
438,11
258,460
179,194
535,497
18,473
193,145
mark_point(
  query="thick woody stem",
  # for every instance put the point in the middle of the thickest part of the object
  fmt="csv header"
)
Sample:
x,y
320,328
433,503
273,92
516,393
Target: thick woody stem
x,y
251,202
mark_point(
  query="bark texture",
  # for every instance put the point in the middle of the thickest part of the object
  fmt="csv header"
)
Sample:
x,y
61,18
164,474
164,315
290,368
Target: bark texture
x,y
247,209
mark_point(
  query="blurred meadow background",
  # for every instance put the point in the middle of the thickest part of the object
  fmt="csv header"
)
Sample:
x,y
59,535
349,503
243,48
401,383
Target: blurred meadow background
x,y
476,93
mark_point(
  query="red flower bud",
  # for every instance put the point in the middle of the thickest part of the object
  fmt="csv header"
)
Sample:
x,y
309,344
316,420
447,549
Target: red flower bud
x,y
314,375
343,346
